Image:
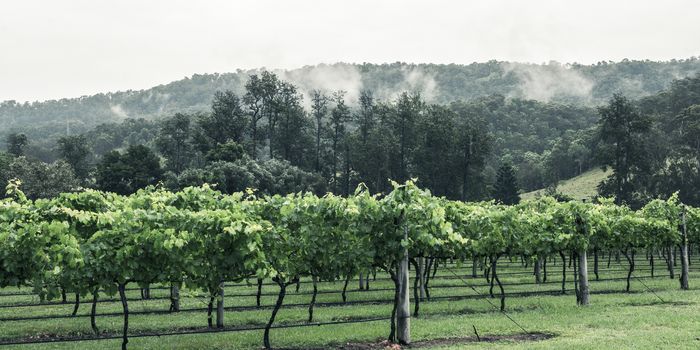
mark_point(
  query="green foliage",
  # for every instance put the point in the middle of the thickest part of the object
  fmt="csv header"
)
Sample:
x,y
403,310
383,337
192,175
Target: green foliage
x,y
200,237
75,151
226,122
226,152
452,146
621,133
662,147
16,143
39,179
174,141
506,187
125,173
120,135
452,81
269,177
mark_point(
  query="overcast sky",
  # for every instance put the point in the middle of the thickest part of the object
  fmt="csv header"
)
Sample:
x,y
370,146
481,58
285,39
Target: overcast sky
x,y
68,48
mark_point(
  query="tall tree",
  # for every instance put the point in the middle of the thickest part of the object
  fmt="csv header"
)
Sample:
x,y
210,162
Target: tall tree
x,y
474,142
366,119
680,169
16,143
275,104
408,110
291,139
75,151
340,115
621,134
436,151
688,123
227,121
319,110
369,149
174,141
259,100
506,187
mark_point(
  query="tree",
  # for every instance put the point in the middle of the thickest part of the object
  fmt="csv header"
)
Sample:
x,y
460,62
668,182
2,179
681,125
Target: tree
x,y
319,110
506,186
291,139
681,175
621,136
75,151
39,179
340,115
365,117
144,165
272,176
689,125
680,171
226,122
475,143
258,99
286,178
370,147
408,110
16,143
532,170
112,173
437,152
126,173
227,152
175,134
271,87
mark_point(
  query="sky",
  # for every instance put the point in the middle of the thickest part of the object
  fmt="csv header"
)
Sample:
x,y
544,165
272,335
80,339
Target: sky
x,y
68,48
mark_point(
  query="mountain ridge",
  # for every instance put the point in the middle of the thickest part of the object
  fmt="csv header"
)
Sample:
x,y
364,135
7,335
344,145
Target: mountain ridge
x,y
440,83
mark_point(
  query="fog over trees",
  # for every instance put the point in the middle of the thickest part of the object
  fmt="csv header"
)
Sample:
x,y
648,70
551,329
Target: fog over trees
x,y
457,128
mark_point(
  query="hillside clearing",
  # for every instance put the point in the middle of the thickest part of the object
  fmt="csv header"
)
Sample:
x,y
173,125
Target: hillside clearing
x,y
584,186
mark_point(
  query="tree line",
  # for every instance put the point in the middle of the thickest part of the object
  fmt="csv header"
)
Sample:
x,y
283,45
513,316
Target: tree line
x,y
267,139
43,121
272,138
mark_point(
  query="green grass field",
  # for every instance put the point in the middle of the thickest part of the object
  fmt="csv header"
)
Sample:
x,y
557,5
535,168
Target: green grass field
x,y
641,319
584,186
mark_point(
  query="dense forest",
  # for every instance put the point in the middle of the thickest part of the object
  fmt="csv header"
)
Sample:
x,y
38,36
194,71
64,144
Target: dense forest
x,y
466,132
588,85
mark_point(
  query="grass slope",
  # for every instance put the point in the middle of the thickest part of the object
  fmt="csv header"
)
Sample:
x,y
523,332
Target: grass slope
x,y
583,186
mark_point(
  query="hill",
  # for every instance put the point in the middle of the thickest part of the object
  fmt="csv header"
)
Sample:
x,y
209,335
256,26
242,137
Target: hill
x,y
552,82
583,186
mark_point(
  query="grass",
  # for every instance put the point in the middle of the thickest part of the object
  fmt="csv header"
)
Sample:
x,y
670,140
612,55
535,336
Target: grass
x,y
637,320
584,186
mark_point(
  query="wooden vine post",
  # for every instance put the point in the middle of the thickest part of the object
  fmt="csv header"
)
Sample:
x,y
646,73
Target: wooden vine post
x,y
583,277
403,313
220,307
175,298
684,252
584,289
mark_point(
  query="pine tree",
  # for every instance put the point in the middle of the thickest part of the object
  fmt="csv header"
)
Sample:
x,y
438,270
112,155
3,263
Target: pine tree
x,y
506,187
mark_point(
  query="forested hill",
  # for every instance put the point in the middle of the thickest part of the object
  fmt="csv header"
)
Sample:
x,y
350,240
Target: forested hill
x,y
576,84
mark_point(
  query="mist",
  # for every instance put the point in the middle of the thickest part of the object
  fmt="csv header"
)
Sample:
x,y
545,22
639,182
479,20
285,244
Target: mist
x,y
554,80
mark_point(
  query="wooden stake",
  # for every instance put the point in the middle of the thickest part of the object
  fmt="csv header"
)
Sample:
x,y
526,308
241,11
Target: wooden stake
x,y
403,314
684,253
